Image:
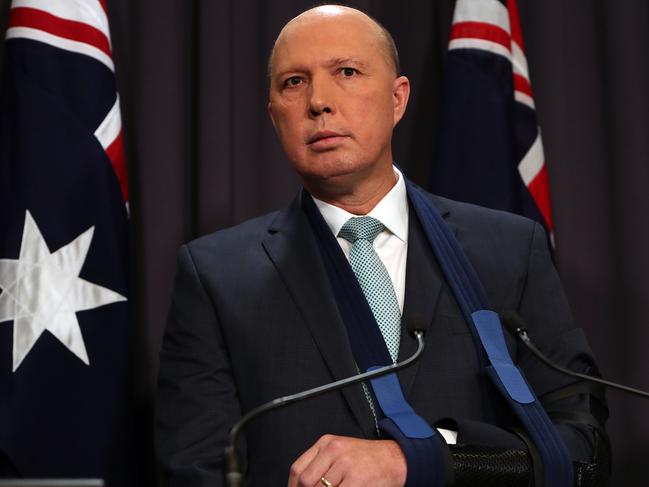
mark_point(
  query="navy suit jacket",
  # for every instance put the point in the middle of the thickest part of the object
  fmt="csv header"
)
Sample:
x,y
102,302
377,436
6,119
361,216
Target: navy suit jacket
x,y
253,318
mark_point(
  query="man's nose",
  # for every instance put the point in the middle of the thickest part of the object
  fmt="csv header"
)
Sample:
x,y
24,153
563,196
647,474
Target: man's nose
x,y
321,97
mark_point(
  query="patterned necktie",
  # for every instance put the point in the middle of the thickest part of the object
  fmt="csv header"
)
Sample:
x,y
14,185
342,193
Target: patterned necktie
x,y
373,278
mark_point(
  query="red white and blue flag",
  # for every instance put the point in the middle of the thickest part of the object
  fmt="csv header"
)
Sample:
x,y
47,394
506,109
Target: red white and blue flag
x,y
65,376
489,145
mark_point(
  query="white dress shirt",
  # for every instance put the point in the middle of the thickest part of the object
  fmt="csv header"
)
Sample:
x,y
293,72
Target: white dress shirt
x,y
391,244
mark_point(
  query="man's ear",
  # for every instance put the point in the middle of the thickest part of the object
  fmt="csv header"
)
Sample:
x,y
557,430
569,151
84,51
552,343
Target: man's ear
x,y
270,113
400,95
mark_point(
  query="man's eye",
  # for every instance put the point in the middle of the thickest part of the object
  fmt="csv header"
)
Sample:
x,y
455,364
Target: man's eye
x,y
349,72
293,81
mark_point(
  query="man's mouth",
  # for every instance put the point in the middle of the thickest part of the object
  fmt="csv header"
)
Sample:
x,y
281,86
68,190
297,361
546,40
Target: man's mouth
x,y
325,139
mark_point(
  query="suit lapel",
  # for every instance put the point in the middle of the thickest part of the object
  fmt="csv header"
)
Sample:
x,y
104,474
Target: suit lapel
x,y
292,248
424,280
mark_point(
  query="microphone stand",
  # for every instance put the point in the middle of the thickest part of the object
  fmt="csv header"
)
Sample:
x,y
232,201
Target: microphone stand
x,y
516,326
233,474
524,337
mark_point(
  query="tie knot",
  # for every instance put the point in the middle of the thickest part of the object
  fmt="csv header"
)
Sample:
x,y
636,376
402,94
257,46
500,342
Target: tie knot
x,y
361,228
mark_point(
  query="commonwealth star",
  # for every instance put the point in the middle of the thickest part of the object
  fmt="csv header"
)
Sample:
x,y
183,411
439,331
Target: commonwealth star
x,y
43,291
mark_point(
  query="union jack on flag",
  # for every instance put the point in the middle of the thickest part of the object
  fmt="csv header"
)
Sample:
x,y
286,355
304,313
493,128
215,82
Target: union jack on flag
x,y
65,362
489,147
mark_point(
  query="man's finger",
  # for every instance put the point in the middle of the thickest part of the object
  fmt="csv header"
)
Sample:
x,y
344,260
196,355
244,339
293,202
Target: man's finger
x,y
301,464
335,474
319,466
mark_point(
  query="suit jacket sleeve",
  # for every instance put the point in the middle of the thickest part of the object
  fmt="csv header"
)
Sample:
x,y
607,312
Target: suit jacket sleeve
x,y
552,328
196,401
541,302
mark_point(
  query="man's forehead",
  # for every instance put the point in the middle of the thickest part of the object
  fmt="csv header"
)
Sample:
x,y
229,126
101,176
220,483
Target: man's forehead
x,y
340,26
325,39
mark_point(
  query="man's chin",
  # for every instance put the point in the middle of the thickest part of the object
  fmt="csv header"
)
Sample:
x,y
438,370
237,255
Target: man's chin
x,y
327,185
329,177
335,174
327,170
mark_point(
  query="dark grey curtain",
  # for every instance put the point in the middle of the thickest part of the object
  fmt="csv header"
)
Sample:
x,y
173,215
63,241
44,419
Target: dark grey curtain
x,y
202,155
591,72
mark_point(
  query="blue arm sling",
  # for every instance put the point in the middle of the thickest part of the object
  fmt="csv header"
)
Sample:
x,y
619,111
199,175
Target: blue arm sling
x,y
425,451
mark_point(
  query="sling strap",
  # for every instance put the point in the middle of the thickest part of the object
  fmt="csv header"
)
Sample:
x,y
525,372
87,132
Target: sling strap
x,y
473,301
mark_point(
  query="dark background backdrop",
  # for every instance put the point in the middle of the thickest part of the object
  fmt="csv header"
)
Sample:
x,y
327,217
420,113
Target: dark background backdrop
x,y
202,155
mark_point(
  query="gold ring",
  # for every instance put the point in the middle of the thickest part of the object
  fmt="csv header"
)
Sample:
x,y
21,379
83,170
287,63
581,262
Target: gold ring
x,y
325,482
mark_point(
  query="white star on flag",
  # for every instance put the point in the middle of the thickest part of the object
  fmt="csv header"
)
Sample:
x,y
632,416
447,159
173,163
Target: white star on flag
x,y
42,291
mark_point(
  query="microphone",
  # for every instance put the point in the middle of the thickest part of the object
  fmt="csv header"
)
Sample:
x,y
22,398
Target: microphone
x,y
234,477
516,326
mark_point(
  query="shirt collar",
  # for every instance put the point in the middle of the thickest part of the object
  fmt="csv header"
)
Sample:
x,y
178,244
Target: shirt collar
x,y
392,211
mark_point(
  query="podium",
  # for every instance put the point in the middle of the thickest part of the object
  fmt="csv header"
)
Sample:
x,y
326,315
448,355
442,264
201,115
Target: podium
x,y
51,483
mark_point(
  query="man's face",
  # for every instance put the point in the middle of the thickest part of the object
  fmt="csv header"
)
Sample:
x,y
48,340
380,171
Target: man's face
x,y
335,98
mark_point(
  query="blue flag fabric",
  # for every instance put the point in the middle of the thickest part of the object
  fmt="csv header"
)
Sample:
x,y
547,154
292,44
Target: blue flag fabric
x,y
489,144
65,376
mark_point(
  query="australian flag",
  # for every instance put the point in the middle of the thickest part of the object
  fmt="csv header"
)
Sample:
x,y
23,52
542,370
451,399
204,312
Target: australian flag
x,y
65,393
489,145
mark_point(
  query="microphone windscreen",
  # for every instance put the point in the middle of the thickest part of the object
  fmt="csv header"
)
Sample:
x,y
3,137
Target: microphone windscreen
x,y
512,322
417,322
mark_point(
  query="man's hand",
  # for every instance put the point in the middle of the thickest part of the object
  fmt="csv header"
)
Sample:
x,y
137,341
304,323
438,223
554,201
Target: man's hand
x,y
350,462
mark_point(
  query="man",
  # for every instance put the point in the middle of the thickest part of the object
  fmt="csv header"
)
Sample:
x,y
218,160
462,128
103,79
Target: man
x,y
256,313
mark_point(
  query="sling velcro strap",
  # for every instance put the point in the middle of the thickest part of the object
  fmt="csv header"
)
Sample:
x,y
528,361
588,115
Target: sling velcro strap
x,y
471,297
490,332
580,387
390,398
598,410
577,417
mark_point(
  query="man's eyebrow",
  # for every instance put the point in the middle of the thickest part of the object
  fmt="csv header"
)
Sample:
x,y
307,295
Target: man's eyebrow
x,y
330,63
342,61
291,70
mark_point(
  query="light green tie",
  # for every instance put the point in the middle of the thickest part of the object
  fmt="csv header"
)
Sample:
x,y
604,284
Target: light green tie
x,y
373,278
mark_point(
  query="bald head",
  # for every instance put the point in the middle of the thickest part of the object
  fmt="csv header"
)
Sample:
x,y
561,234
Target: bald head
x,y
384,41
